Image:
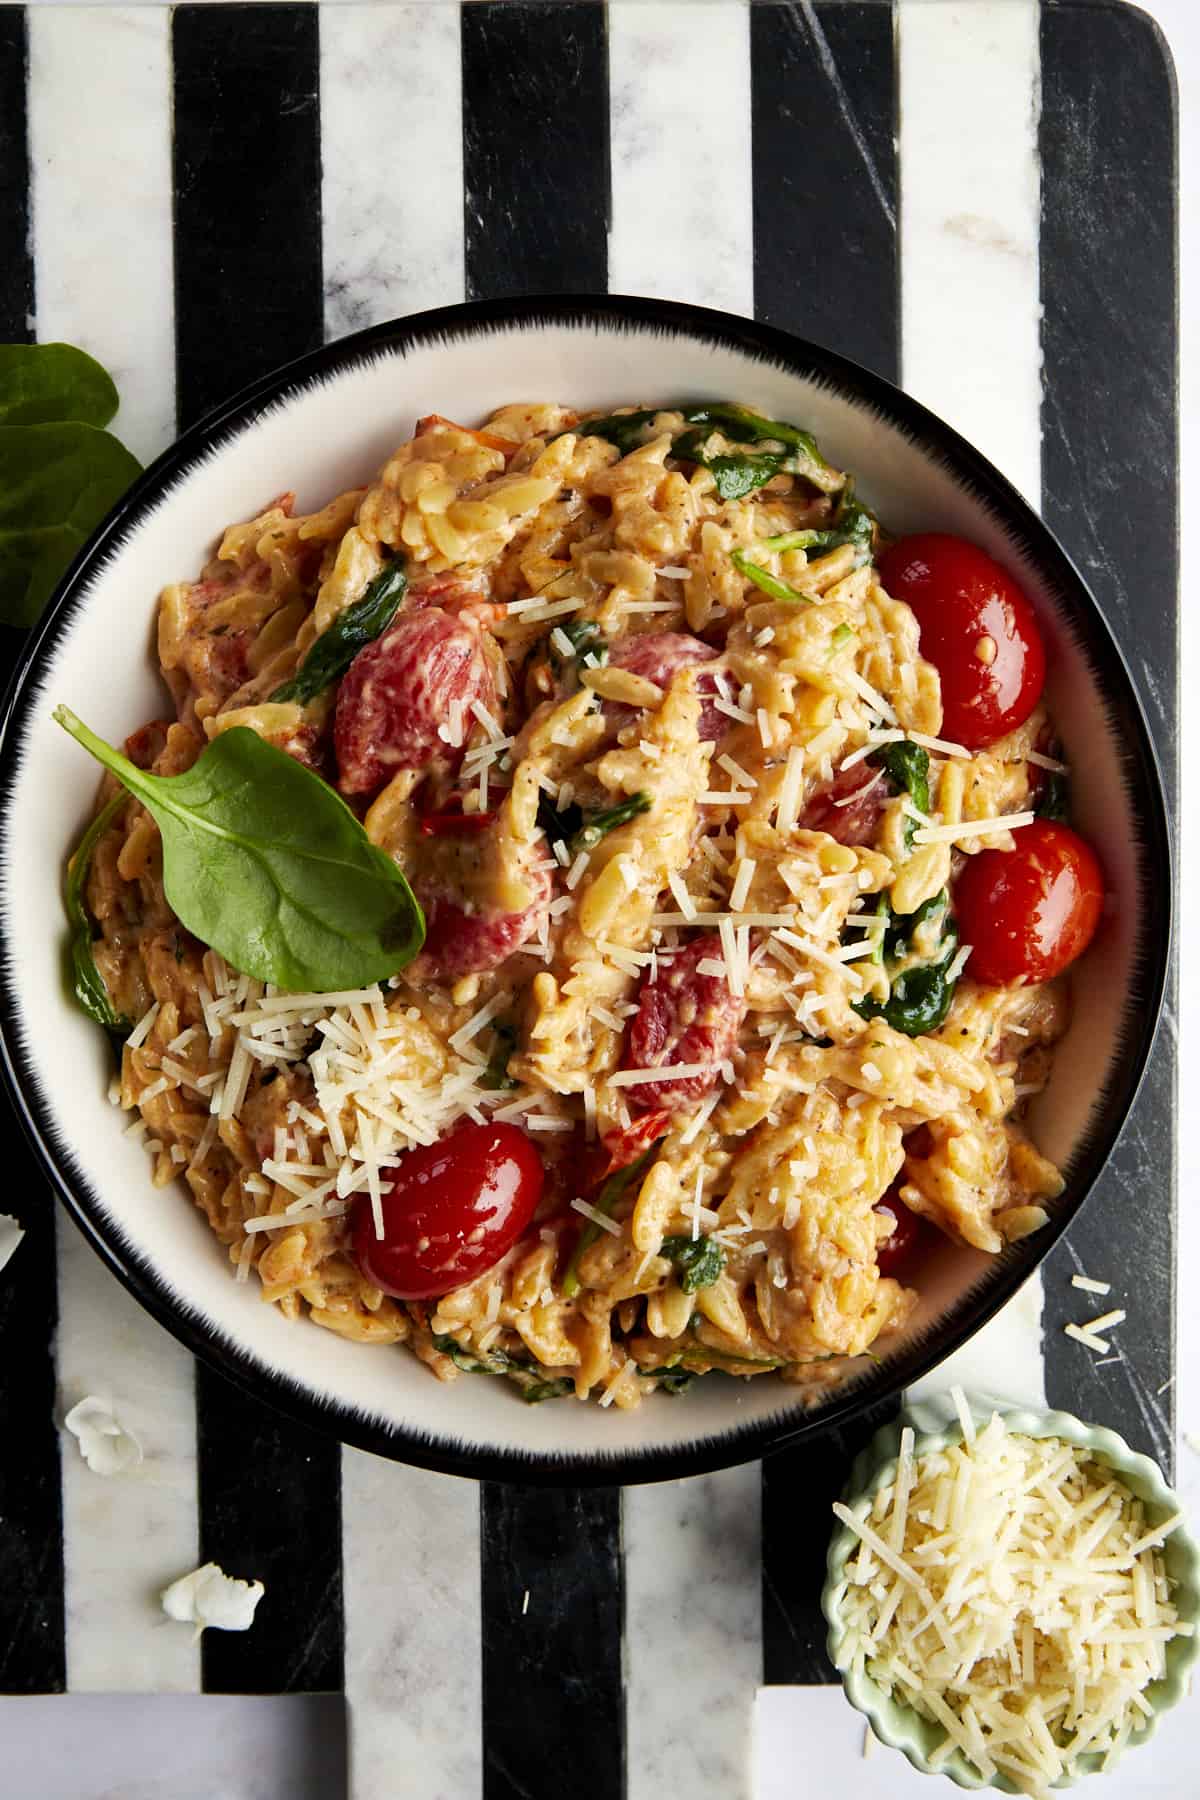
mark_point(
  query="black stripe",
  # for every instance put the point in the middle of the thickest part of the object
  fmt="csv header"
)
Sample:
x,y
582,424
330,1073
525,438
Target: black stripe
x,y
535,148
823,82
536,180
799,1489
248,295
32,1630
1109,482
552,1707
16,264
823,113
248,286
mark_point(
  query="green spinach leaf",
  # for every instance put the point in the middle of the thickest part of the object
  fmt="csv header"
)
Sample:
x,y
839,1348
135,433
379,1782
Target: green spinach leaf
x,y
585,639
672,1380
57,481
1054,801
622,429
531,1384
265,863
907,768
496,1075
86,982
700,1261
774,585
580,830
921,995
45,384
339,644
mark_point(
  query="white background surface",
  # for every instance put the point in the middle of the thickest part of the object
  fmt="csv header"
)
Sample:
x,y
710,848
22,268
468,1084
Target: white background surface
x,y
208,1748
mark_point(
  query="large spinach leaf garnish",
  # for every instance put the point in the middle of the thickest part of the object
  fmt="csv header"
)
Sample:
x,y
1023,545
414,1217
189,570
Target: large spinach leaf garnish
x,y
266,864
338,645
42,384
60,471
86,982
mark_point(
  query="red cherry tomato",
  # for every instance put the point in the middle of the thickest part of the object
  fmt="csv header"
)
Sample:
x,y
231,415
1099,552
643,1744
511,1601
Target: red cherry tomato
x,y
896,1252
450,1212
977,629
1030,911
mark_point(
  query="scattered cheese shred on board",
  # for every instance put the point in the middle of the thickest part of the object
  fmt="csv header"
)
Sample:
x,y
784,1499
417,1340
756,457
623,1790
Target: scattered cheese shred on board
x,y
1012,1590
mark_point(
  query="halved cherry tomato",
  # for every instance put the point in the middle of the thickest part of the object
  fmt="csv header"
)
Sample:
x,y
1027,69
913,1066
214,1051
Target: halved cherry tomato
x,y
977,629
1030,911
897,1251
450,1211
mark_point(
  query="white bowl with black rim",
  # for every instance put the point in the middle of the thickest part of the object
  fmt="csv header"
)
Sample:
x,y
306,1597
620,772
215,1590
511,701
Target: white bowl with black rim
x,y
326,423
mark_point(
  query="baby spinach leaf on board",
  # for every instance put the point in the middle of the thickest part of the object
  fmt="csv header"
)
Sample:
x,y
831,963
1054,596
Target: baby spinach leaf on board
x,y
86,982
57,481
41,384
338,645
265,863
700,1261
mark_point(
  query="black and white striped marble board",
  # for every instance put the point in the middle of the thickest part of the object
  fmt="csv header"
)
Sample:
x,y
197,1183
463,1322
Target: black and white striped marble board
x,y
975,199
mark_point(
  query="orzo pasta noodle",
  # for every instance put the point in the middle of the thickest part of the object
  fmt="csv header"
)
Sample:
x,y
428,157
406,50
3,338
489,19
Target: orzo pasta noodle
x,y
693,1066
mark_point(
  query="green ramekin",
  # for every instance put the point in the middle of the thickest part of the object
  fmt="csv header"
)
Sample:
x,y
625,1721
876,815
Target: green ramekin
x,y
897,1724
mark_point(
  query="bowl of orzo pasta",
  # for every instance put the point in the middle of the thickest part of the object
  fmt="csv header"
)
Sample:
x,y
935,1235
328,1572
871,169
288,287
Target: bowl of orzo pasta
x,y
617,889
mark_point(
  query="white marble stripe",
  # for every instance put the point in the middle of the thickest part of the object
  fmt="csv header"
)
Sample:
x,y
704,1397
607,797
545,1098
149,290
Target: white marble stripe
x,y
970,350
693,1633
682,228
100,130
391,148
101,167
969,223
413,1631
392,205
679,77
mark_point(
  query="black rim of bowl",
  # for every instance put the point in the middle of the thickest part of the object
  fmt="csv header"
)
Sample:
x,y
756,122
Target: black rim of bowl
x,y
1141,775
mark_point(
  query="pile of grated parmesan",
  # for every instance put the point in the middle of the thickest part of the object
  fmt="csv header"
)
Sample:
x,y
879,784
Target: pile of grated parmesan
x,y
1011,1590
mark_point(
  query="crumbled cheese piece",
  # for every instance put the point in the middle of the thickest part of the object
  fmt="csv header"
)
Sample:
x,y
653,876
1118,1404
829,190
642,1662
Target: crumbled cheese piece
x,y
596,1217
210,1598
10,1236
142,1029
105,1445
970,828
1008,1589
666,1072
1090,1286
1088,1338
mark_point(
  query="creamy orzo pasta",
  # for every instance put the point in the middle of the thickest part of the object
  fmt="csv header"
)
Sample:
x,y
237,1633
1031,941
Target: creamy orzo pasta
x,y
702,1049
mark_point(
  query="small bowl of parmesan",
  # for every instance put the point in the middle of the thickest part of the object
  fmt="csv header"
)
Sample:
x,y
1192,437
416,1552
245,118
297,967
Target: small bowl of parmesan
x,y
1012,1599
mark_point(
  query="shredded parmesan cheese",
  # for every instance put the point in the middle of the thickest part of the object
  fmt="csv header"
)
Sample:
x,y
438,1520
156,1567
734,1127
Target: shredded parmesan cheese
x,y
1011,1590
